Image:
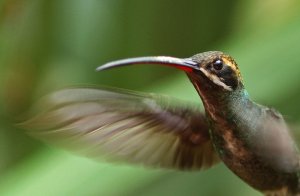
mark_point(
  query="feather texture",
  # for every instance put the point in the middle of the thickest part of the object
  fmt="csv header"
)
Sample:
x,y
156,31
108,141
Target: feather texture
x,y
147,129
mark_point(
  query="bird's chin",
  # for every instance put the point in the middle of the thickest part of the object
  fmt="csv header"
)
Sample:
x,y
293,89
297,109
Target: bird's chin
x,y
204,85
199,79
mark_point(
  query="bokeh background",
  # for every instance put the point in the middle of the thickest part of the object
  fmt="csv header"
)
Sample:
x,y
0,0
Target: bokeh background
x,y
46,45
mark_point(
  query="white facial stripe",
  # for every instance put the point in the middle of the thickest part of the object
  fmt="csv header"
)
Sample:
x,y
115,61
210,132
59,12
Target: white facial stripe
x,y
215,79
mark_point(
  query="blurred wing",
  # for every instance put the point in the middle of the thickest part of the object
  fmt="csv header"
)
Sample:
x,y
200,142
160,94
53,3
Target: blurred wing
x,y
121,125
274,143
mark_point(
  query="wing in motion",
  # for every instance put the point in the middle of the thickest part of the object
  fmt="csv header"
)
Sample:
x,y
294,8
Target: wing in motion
x,y
124,126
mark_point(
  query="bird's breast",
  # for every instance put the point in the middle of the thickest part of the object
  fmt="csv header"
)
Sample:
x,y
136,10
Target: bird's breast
x,y
242,144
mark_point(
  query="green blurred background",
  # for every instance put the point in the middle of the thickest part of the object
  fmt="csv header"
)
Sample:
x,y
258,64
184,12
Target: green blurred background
x,y
45,45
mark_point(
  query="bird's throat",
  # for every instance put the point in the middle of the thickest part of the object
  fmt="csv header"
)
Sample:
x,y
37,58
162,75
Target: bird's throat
x,y
225,110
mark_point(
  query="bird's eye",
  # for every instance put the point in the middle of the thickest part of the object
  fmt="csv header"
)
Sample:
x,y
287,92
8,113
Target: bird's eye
x,y
218,65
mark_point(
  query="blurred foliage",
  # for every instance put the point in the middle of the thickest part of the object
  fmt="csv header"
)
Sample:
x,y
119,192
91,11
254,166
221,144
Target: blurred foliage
x,y
47,45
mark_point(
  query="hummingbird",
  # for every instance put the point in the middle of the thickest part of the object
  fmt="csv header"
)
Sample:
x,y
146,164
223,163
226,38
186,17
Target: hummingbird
x,y
252,140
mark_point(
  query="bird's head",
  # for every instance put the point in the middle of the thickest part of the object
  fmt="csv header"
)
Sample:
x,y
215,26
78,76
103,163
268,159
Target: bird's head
x,y
217,70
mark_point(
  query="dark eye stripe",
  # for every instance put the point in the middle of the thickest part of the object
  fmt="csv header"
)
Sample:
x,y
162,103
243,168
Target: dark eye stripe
x,y
228,76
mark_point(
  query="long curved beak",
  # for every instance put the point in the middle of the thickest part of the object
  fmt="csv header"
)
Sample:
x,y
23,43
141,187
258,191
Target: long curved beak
x,y
186,64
